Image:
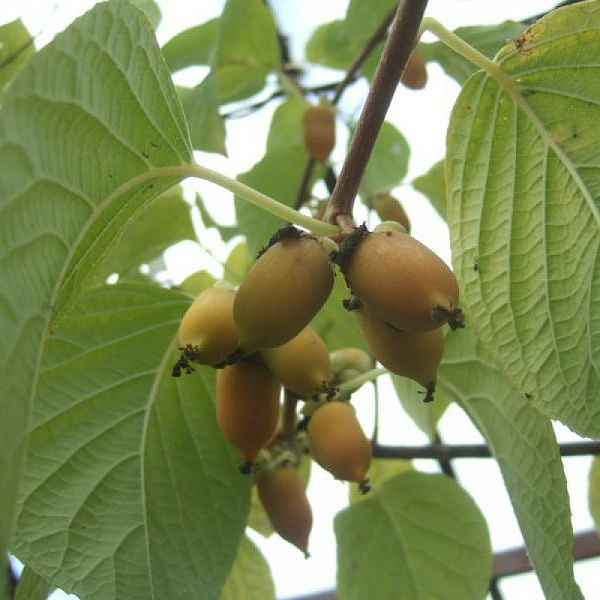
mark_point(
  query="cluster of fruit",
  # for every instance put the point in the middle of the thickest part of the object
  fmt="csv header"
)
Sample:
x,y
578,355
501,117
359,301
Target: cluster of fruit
x,y
260,339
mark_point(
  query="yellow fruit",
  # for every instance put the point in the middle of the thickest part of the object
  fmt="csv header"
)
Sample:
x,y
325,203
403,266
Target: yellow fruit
x,y
413,355
302,365
283,496
282,292
389,208
354,359
338,443
319,131
401,280
414,75
207,331
247,407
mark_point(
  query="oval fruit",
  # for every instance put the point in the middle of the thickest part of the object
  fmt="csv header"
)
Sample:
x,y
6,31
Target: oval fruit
x,y
283,496
207,330
338,443
348,363
402,281
247,407
302,365
413,355
414,75
282,292
389,208
319,131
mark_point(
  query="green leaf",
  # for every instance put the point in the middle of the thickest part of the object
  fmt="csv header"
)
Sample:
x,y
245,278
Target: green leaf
x,y
130,490
287,125
151,9
433,185
524,184
250,578
237,264
380,470
227,232
201,105
388,163
594,492
196,282
330,46
193,46
424,533
89,112
524,444
425,415
165,222
247,50
16,47
32,587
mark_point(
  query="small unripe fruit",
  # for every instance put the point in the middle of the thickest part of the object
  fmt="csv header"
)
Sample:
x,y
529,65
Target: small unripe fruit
x,y
389,208
302,365
319,131
283,496
413,355
414,75
282,292
207,330
247,407
339,444
401,280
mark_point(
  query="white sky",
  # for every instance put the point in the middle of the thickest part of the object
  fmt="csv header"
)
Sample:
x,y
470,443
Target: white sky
x,y
422,117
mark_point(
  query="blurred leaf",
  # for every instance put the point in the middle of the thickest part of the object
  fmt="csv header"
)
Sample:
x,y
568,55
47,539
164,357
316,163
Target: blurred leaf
x,y
165,222
194,46
250,577
147,500
524,443
196,282
488,39
237,264
151,9
227,232
523,183
364,18
88,113
433,185
594,492
16,47
425,415
287,125
32,587
337,327
247,49
388,163
201,106
329,46
413,528
277,174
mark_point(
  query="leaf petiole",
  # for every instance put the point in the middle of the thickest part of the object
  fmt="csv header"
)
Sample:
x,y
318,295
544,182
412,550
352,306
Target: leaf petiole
x,y
243,191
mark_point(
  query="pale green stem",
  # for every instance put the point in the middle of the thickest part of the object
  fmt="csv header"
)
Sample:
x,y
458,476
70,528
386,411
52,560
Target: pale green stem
x,y
353,384
243,191
465,50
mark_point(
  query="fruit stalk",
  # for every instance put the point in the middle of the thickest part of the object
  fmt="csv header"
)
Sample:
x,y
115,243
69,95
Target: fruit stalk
x,y
395,54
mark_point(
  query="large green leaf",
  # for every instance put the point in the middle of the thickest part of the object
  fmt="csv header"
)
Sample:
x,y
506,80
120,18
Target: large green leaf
x,y
88,113
130,491
524,190
31,586
193,46
523,442
433,185
16,47
418,536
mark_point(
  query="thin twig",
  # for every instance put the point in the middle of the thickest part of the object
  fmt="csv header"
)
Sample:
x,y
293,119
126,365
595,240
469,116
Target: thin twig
x,y
396,51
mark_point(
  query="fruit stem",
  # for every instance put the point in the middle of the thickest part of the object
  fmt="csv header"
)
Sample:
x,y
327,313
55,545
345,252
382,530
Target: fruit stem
x,y
346,388
237,187
288,418
395,54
